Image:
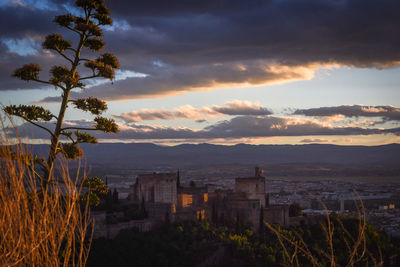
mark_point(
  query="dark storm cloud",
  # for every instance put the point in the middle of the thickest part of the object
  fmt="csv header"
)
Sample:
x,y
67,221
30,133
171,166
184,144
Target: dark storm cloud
x,y
10,61
386,112
178,7
238,127
291,32
18,21
193,45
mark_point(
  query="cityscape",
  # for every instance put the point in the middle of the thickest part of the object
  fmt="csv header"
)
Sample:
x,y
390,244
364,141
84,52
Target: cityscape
x,y
380,200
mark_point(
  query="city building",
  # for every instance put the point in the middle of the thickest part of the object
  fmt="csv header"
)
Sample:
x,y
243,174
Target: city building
x,y
164,199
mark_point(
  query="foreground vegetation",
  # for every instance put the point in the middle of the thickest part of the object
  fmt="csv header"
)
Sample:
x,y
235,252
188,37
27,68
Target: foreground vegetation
x,y
205,244
40,227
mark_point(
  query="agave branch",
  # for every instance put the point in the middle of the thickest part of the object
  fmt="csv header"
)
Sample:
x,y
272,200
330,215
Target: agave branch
x,y
64,56
89,77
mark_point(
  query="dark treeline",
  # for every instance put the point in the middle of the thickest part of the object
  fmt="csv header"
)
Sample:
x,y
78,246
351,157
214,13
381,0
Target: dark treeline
x,y
206,244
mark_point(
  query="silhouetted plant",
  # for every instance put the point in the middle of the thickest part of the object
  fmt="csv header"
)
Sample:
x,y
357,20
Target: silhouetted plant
x,y
115,196
261,227
267,200
95,190
87,25
143,209
295,210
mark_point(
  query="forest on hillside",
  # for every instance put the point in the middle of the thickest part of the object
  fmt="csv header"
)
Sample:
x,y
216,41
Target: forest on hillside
x,y
203,243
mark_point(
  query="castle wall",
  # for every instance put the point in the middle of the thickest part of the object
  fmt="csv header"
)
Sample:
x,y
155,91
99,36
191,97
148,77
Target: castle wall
x,y
110,231
254,187
165,191
160,211
247,210
277,214
156,188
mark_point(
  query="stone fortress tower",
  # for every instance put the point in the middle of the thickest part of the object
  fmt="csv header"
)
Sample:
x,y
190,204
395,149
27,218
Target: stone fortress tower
x,y
253,187
156,188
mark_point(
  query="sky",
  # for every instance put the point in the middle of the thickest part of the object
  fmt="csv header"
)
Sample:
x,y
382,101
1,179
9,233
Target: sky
x,y
224,72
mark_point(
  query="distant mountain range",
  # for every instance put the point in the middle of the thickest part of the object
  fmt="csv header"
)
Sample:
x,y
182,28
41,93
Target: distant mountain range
x,y
147,154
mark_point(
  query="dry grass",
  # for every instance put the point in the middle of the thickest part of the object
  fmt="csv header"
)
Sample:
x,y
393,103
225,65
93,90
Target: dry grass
x,y
295,247
39,227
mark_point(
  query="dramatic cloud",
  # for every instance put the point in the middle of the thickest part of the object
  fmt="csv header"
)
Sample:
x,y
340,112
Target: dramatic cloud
x,y
386,112
201,45
17,21
10,61
235,107
238,107
169,80
245,126
22,30
235,128
296,32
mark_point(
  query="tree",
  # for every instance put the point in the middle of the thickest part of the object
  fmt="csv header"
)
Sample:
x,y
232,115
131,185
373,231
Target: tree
x,y
267,200
295,210
87,26
143,211
115,196
238,227
214,213
95,190
167,218
178,180
261,228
